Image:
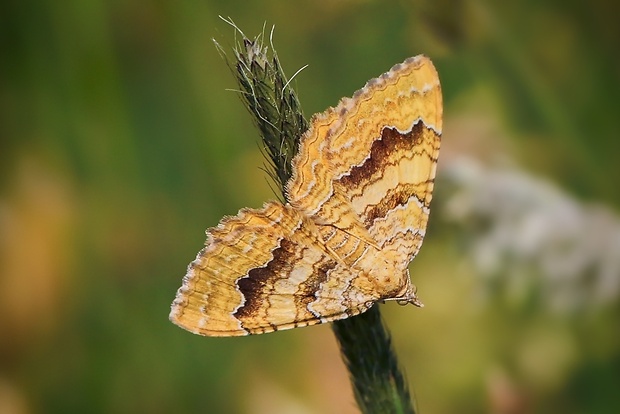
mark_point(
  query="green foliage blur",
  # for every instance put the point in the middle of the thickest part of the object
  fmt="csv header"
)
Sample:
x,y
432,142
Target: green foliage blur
x,y
120,144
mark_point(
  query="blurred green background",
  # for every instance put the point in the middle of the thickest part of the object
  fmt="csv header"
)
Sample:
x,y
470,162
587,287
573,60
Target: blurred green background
x,y
120,145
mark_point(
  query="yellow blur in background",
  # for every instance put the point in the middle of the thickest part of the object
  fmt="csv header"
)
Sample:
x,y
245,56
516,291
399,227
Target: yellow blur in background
x,y
120,145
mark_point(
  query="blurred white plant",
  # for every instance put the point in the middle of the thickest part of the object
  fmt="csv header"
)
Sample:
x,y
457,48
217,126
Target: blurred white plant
x,y
524,233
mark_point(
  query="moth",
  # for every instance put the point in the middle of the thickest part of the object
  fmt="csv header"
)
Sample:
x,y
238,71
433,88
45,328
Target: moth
x,y
356,214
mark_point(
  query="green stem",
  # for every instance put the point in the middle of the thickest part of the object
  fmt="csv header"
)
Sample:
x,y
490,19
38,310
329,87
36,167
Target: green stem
x,y
378,384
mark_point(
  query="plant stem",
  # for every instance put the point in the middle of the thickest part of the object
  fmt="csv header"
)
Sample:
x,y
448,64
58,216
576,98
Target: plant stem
x,y
378,384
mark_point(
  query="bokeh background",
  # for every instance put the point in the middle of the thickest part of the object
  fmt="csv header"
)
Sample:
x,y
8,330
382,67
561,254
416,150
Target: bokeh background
x,y
120,145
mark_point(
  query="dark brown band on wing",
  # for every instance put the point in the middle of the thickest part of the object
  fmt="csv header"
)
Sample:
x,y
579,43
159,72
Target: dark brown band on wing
x,y
259,282
381,157
306,293
395,197
391,141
